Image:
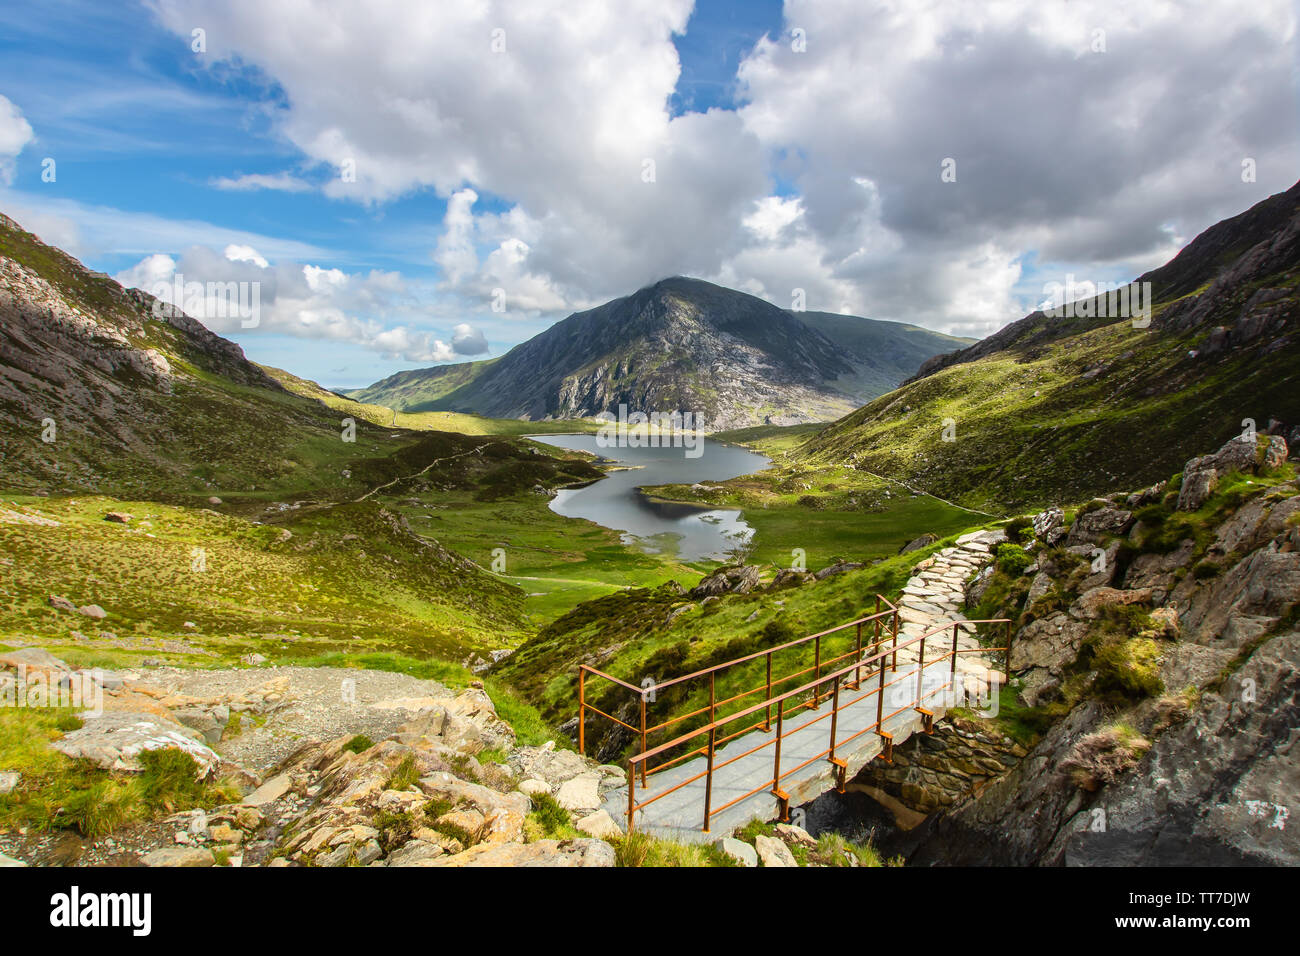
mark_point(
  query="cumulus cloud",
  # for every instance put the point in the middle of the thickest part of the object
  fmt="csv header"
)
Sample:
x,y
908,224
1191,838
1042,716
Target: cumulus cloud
x,y
15,133
238,289
467,340
1091,137
1091,133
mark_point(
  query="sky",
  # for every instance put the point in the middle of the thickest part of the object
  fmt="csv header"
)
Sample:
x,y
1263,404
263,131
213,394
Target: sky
x,y
410,183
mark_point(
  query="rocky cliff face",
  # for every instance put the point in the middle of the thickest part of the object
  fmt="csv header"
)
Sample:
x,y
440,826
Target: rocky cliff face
x,y
1170,645
684,345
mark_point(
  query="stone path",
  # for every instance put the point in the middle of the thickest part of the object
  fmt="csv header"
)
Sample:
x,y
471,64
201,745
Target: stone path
x,y
933,596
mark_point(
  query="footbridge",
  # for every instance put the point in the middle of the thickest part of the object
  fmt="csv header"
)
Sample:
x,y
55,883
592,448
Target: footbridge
x,y
751,737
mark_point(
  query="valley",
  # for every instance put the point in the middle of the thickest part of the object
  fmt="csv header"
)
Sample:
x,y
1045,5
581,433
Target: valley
x,y
1122,496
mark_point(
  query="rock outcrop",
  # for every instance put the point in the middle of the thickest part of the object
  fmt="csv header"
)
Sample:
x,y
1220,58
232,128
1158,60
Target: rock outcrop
x,y
1196,765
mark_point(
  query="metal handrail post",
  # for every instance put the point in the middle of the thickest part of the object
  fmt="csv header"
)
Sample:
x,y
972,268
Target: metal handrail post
x,y
713,736
835,712
767,713
643,737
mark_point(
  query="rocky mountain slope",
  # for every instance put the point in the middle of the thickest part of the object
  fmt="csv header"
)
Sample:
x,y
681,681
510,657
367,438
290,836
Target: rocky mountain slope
x,y
1155,651
100,390
680,344
1063,408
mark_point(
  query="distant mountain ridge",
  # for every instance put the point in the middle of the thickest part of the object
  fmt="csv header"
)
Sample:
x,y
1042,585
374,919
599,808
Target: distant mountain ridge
x,y
679,344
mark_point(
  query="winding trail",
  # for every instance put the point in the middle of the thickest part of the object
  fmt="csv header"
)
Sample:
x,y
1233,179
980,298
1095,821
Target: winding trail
x,y
425,469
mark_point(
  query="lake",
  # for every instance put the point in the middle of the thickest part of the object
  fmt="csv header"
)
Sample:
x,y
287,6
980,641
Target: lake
x,y
691,532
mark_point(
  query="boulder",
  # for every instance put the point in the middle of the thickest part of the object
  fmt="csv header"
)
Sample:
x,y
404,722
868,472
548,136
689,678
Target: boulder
x,y
741,852
415,853
114,740
1093,527
33,658
738,579
9,861
501,815
93,611
534,787
557,853
1047,522
269,792
581,794
600,825
772,852
205,722
120,517
1089,605
916,544
1202,475
190,856
1051,643
792,577
9,780
839,567
791,833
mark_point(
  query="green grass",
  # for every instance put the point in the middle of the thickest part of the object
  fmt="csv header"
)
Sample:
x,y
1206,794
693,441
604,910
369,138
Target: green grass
x,y
631,624
1152,408
404,775
359,744
59,793
642,850
346,579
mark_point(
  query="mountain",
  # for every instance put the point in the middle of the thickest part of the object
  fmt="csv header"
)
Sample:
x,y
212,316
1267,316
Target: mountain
x,y
1059,408
680,344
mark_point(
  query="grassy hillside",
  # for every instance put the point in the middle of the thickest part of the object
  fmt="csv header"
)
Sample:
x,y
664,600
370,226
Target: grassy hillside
x,y
420,389
458,422
1063,409
884,353
629,636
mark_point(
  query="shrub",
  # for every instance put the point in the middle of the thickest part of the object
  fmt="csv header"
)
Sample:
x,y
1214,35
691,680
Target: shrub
x,y
170,780
1013,559
554,819
405,776
359,744
1020,529
1100,758
1128,670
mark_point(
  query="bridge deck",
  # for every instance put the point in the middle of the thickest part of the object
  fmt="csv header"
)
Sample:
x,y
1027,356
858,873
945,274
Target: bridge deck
x,y
680,815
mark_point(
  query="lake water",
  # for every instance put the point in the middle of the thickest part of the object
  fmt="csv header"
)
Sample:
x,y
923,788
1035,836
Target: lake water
x,y
691,532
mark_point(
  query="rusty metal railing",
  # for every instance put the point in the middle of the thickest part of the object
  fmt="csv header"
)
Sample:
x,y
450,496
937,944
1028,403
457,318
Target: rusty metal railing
x,y
877,619
869,664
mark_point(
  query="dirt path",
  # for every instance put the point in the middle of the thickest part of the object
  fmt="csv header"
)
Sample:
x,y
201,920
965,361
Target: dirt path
x,y
437,461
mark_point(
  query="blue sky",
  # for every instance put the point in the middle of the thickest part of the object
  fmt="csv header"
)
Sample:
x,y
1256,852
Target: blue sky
x,y
777,168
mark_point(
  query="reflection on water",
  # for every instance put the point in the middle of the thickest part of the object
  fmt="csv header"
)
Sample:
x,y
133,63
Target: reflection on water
x,y
691,532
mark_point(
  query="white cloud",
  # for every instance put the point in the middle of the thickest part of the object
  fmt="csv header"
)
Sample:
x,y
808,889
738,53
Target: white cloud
x,y
468,340
238,253
301,300
15,133
280,182
1078,156
86,230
